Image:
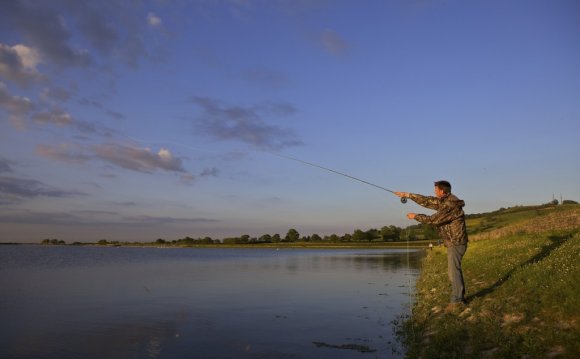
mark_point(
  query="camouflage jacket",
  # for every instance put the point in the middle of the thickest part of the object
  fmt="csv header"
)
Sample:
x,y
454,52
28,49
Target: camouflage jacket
x,y
449,219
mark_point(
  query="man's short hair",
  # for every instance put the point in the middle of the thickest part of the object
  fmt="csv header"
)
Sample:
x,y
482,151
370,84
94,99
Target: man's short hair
x,y
444,186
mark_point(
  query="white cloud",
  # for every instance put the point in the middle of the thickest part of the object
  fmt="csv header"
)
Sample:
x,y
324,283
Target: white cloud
x,y
165,155
29,57
18,63
154,20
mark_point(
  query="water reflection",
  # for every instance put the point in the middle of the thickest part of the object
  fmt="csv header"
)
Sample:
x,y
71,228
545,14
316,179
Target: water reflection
x,y
149,303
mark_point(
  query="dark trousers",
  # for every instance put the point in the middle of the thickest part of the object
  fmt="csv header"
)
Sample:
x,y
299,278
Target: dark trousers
x,y
454,256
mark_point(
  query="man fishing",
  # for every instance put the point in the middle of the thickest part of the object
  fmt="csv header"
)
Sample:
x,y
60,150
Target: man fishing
x,y
450,222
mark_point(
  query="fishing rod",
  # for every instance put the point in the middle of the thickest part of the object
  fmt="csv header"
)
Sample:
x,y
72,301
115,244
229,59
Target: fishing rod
x,y
403,200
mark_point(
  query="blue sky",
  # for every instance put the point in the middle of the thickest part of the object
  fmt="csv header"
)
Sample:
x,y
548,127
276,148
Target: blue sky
x,y
159,119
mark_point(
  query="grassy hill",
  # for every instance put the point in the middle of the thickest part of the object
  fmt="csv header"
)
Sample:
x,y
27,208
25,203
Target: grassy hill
x,y
522,277
529,219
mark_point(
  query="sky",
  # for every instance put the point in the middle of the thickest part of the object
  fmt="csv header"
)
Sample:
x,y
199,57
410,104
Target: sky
x,y
138,120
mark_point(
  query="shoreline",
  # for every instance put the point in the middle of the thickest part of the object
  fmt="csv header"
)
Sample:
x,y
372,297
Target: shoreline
x,y
282,245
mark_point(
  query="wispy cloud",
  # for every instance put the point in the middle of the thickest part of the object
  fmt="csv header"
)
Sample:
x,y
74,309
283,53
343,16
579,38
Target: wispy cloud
x,y
14,189
208,172
55,116
97,104
138,159
245,124
54,37
116,115
65,152
5,165
14,105
45,29
55,94
94,218
266,78
125,204
332,42
61,118
35,217
49,28
151,220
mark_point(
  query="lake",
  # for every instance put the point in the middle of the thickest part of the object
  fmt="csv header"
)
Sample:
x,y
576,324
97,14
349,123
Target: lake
x,y
124,302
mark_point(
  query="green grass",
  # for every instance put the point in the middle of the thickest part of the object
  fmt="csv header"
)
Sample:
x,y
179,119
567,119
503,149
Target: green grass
x,y
511,216
524,299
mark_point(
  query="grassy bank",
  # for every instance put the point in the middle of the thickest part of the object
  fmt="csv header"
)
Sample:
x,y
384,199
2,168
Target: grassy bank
x,y
522,282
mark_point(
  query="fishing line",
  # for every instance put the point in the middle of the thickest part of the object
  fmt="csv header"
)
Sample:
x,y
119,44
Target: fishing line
x,y
403,200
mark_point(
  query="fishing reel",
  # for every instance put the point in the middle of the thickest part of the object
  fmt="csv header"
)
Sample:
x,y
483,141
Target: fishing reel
x,y
403,200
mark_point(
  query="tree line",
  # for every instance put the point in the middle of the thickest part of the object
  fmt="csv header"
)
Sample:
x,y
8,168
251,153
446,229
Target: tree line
x,y
385,234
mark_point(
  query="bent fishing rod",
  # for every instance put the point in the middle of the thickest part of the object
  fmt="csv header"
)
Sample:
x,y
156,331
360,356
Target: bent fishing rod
x,y
403,200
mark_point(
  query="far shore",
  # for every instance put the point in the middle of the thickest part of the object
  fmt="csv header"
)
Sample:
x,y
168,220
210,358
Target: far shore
x,y
280,245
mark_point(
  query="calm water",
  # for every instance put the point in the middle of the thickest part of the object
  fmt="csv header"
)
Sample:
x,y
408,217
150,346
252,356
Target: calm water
x,y
90,302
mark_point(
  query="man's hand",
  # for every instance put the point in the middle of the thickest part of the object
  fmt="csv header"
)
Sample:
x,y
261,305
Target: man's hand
x,y
402,194
411,215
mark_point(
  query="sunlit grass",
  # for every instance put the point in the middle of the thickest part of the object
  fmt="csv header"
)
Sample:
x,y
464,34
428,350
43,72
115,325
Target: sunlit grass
x,y
524,301
512,216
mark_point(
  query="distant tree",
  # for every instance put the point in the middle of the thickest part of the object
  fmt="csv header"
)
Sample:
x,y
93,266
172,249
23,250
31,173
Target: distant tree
x,y
346,238
292,235
276,238
410,234
315,238
359,235
160,241
334,238
54,241
102,242
231,240
206,240
430,232
390,233
245,238
45,241
569,201
373,234
187,240
266,238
